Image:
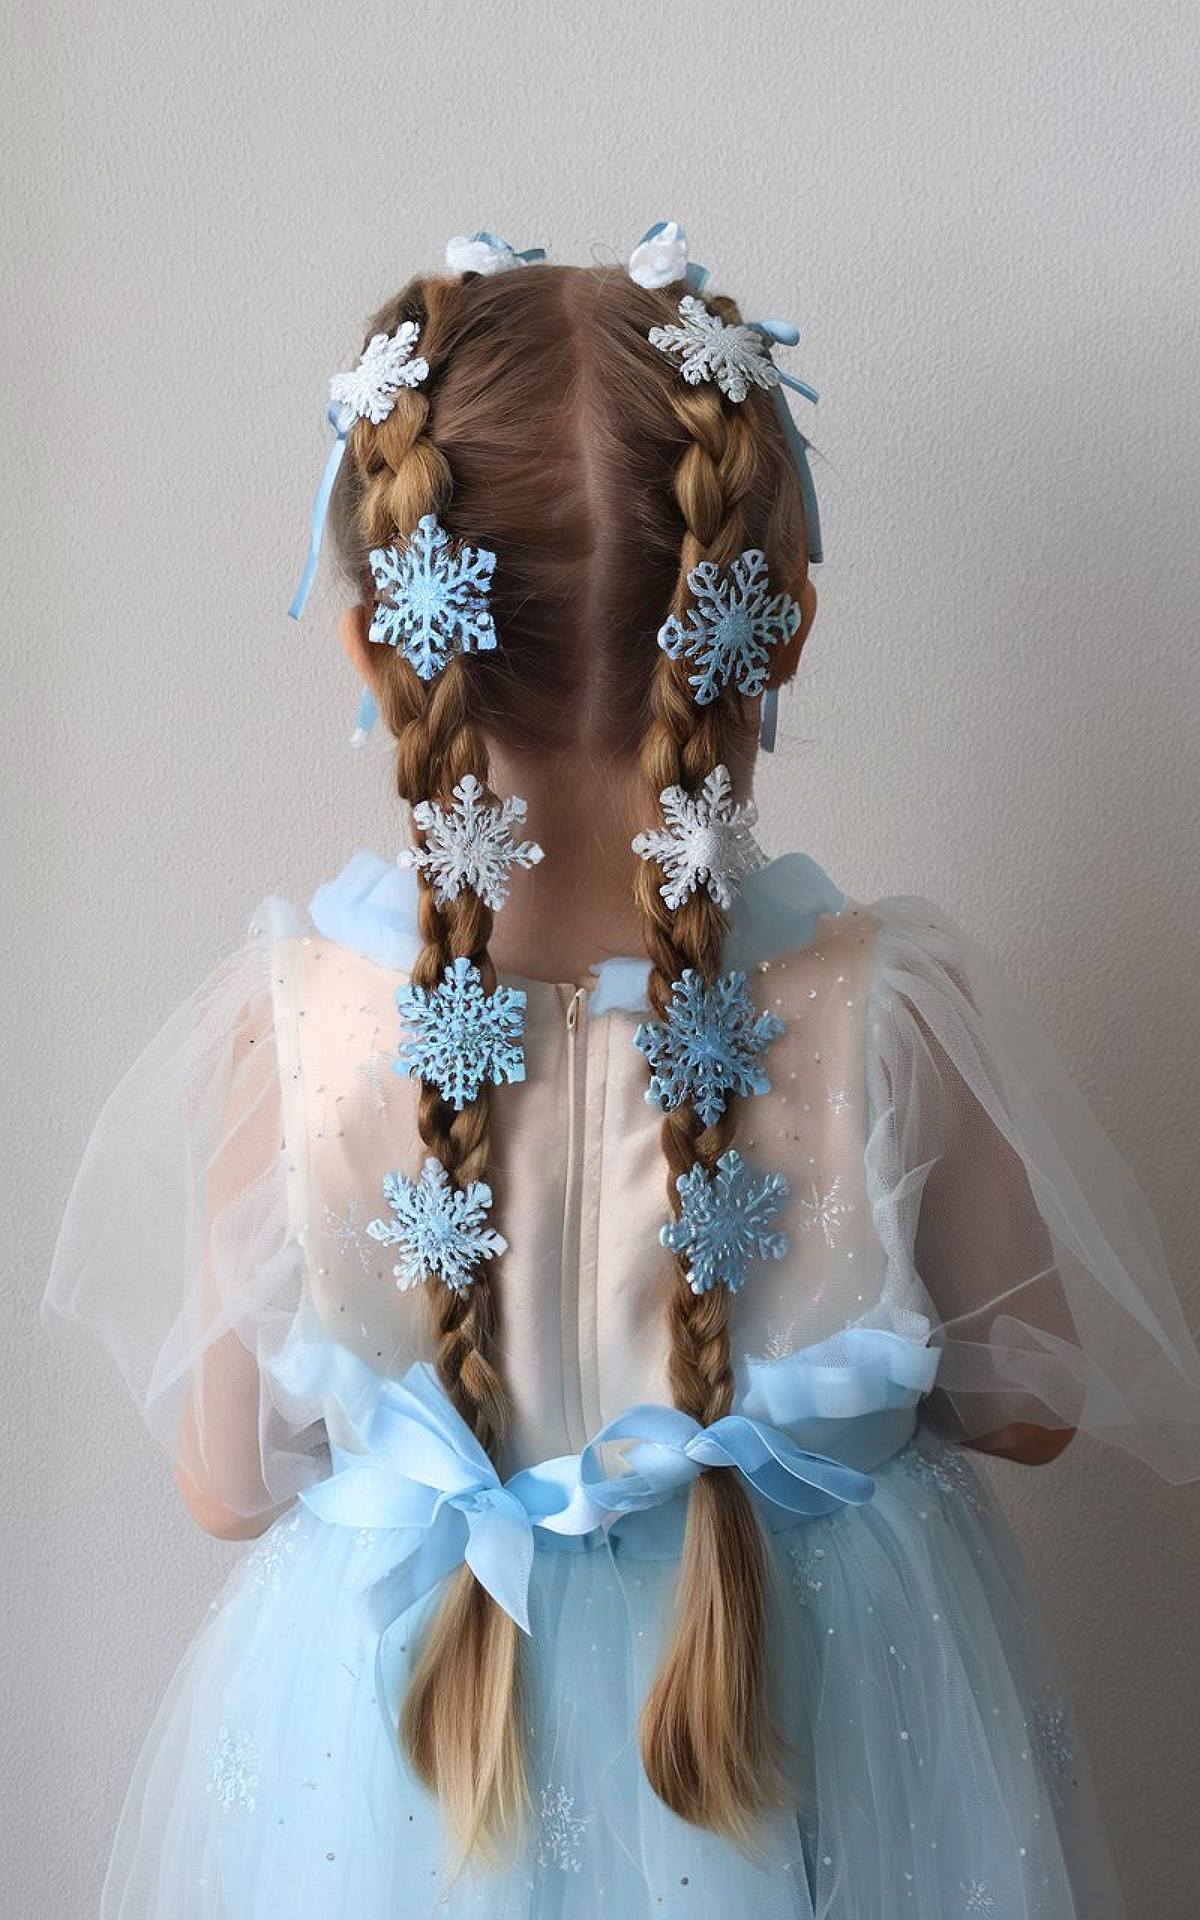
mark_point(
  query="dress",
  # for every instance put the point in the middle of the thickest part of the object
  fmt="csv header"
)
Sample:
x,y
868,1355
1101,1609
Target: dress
x,y
966,1249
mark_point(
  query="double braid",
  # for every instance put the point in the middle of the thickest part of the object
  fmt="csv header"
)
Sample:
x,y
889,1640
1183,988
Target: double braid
x,y
712,1766
472,1650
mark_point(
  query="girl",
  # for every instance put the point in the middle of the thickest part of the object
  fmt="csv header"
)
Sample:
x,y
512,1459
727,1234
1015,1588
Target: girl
x,y
587,1261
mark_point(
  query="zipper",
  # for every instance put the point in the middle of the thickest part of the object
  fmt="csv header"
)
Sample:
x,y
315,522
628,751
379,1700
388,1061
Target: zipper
x,y
574,1411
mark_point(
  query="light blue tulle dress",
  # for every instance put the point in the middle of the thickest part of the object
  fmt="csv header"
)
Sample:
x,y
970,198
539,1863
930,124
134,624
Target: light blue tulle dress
x,y
966,1249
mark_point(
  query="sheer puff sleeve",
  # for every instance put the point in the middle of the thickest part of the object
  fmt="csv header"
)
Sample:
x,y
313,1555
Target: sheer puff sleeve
x,y
176,1248
993,1186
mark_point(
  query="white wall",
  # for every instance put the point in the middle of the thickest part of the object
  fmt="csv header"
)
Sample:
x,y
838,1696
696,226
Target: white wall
x,y
984,216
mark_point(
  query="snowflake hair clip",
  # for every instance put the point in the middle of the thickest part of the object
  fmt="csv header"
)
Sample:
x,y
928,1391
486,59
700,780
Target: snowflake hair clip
x,y
470,844
486,253
723,1222
707,1046
705,841
367,392
440,1230
736,354
735,620
459,1037
432,598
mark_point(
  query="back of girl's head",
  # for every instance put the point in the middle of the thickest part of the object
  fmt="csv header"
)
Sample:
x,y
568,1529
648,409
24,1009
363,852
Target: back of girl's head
x,y
559,432
551,431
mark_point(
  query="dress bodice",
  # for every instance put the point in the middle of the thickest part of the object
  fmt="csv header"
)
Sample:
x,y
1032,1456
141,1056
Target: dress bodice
x,y
579,1178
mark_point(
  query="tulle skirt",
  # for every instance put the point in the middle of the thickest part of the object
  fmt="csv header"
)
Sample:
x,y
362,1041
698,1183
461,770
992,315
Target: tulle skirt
x,y
938,1772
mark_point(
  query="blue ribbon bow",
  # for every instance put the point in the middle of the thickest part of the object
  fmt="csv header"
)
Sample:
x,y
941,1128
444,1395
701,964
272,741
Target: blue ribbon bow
x,y
669,1449
421,1473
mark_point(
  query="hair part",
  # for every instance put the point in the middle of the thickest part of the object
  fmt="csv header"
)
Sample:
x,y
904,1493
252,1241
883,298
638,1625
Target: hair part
x,y
550,431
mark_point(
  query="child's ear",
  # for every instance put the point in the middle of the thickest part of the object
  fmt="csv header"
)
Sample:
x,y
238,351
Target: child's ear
x,y
353,628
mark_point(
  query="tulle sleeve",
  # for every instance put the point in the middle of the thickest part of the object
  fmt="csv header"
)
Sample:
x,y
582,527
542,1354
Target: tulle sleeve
x,y
994,1188
176,1247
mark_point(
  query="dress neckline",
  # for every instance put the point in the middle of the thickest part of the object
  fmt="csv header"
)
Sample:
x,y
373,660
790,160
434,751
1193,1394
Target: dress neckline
x,y
371,908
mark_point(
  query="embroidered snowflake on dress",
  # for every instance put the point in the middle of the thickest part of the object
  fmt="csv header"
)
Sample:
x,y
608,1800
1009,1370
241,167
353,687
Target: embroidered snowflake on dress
x,y
735,620
807,1568
944,1469
705,841
369,391
722,1224
736,357
441,1230
978,1899
433,598
266,1563
470,844
708,1045
825,1210
1051,1736
560,1830
459,1036
345,1229
233,1770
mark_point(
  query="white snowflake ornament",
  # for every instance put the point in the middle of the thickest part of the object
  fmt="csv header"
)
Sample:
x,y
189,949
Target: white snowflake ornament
x,y
440,1230
734,622
470,844
736,357
707,1047
368,391
723,1222
432,598
460,1037
661,258
705,841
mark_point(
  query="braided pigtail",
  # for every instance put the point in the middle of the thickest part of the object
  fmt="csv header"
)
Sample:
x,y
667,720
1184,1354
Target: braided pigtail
x,y
460,1722
707,1743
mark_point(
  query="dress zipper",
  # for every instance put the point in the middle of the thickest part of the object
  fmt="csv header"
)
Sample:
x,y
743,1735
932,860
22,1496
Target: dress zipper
x,y
573,1409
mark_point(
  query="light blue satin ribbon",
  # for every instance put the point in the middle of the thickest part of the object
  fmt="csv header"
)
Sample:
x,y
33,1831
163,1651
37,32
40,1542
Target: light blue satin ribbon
x,y
423,1479
320,512
422,1475
664,1450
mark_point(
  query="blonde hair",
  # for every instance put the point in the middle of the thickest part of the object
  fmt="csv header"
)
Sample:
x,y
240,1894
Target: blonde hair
x,y
551,431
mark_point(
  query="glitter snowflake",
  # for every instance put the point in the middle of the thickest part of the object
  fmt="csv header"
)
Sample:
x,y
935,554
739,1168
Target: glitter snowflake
x,y
978,1899
808,1566
943,1468
1051,1735
735,620
459,1036
470,844
433,598
705,841
345,1230
722,1224
825,1210
233,1770
736,357
708,1045
440,1230
560,1830
369,391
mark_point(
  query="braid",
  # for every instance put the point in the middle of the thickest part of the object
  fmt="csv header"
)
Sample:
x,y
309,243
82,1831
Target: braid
x,y
471,1758
706,1738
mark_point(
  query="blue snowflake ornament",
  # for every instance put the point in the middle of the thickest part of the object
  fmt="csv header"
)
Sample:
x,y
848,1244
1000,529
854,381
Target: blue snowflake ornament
x,y
708,1045
722,1222
432,598
440,1230
729,630
459,1036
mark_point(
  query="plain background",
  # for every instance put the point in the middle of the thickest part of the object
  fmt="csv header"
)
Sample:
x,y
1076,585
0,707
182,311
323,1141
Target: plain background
x,y
985,218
